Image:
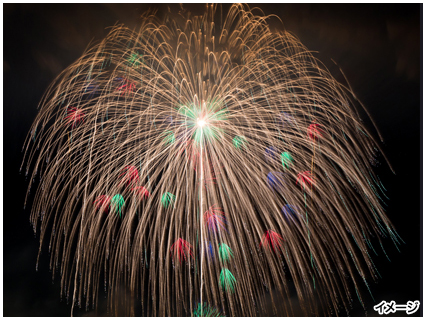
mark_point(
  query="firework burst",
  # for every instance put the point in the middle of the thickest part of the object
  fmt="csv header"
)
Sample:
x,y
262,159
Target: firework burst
x,y
205,113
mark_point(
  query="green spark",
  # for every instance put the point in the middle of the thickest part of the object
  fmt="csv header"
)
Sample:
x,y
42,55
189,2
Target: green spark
x,y
225,252
135,59
205,310
168,199
239,142
286,159
169,137
227,280
117,203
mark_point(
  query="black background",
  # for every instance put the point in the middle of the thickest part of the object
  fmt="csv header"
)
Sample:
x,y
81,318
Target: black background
x,y
378,47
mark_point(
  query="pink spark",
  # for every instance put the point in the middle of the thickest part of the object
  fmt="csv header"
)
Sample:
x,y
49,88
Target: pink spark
x,y
181,249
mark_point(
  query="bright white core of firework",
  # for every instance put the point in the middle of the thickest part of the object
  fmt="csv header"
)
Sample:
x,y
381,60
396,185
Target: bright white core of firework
x,y
201,122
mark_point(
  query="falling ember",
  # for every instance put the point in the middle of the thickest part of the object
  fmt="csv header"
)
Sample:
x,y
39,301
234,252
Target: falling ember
x,y
181,250
272,241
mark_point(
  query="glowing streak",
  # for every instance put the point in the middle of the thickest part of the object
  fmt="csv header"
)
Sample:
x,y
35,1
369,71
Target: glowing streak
x,y
141,192
290,213
239,142
276,181
75,116
201,220
131,175
305,179
169,137
314,131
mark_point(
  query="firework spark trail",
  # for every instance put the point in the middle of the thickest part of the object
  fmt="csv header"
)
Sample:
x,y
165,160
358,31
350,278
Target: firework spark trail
x,y
200,124
124,162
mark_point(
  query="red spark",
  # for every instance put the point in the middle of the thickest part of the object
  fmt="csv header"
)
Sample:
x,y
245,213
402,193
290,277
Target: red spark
x,y
126,86
214,218
102,203
131,175
271,240
74,116
181,249
314,131
141,191
305,178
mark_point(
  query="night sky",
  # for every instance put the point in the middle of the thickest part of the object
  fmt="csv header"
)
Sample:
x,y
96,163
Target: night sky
x,y
378,47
